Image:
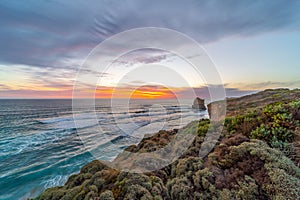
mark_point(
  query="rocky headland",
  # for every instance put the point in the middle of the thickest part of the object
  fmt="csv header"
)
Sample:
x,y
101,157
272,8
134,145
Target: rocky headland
x,y
257,156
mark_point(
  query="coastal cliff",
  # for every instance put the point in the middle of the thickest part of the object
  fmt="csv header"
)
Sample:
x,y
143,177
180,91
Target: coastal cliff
x,y
257,156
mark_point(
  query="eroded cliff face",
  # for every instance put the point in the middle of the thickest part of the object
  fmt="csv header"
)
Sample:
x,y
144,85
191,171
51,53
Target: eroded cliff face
x,y
256,157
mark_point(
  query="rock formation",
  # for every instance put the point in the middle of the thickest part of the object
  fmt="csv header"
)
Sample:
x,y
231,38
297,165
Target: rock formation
x,y
199,104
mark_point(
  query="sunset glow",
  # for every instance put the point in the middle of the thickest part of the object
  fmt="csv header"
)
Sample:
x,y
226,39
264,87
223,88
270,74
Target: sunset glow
x,y
144,92
153,93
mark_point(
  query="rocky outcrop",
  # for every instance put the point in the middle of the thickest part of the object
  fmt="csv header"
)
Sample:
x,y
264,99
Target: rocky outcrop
x,y
254,159
199,104
217,110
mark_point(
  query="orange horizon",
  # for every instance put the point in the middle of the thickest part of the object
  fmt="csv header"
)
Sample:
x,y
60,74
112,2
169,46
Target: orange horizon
x,y
103,92
143,92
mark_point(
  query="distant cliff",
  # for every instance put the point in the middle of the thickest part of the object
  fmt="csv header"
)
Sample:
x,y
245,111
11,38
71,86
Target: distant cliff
x,y
256,157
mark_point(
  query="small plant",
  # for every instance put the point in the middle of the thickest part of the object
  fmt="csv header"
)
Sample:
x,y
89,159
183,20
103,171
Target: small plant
x,y
295,104
231,124
273,109
262,132
203,127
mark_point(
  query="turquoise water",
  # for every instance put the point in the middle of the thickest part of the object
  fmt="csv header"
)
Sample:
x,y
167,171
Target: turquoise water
x,y
40,146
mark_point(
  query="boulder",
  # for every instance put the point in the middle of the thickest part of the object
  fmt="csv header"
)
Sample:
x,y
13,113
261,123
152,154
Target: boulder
x,y
199,104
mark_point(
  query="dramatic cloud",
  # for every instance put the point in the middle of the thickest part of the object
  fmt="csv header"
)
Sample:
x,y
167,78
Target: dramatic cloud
x,y
47,33
144,56
266,85
45,42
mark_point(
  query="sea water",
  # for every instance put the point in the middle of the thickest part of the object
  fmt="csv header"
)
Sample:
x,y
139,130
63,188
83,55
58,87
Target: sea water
x,y
41,145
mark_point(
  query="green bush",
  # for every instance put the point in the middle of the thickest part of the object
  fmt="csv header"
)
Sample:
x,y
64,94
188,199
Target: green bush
x,y
180,189
295,104
106,195
203,127
278,126
243,123
274,123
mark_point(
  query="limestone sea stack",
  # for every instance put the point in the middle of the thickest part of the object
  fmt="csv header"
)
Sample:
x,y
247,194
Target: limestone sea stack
x,y
199,104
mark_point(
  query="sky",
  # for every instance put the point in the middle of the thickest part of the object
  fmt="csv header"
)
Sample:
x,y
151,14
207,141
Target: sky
x,y
254,45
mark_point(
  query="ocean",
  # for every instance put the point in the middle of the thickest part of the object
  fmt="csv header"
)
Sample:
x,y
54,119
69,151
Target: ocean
x,y
41,146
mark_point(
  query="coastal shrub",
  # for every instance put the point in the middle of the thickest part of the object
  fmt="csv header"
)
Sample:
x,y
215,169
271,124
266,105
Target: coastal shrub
x,y
106,195
272,171
93,188
127,181
103,179
137,192
138,179
295,109
91,195
225,194
203,127
158,190
284,186
182,167
273,109
247,189
231,124
289,150
274,123
242,123
272,157
80,196
180,189
234,163
277,132
71,193
295,104
194,148
200,179
93,167
78,179
55,193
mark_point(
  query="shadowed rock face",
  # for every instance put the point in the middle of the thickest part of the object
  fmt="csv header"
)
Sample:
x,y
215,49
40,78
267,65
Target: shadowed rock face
x,y
199,104
248,162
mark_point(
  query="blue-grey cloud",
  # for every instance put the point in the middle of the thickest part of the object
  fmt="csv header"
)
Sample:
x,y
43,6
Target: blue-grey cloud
x,y
144,56
269,84
46,33
205,92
